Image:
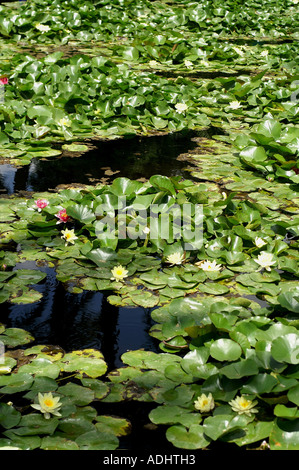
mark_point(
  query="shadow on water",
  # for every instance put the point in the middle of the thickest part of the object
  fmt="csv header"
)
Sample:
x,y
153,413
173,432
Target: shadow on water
x,y
135,158
79,321
75,321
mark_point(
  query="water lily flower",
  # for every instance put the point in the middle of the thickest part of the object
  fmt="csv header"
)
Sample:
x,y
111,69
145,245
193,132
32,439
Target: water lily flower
x,y
265,260
48,405
175,258
210,266
181,107
119,273
224,195
42,27
243,406
64,122
188,64
153,63
3,80
238,50
41,204
235,105
264,53
259,242
62,216
204,403
69,236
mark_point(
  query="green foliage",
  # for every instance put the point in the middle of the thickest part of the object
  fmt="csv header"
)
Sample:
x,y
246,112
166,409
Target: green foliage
x,y
134,62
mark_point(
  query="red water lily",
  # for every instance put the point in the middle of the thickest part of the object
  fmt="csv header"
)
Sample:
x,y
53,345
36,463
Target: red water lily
x,y
3,80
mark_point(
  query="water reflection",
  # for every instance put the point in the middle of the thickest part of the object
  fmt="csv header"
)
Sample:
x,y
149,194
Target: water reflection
x,y
133,158
78,321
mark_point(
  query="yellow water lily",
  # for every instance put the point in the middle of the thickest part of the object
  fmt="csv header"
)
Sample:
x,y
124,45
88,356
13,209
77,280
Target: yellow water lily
x,y
119,273
242,405
48,405
69,236
175,258
204,403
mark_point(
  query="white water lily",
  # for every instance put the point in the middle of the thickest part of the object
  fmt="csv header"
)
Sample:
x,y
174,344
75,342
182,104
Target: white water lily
x,y
209,266
175,258
204,403
259,242
64,122
264,53
153,63
42,27
265,260
188,64
238,50
235,105
181,107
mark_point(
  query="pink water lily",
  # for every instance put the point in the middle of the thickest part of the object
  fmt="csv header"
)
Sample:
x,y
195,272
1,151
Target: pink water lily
x,y
41,204
62,216
3,80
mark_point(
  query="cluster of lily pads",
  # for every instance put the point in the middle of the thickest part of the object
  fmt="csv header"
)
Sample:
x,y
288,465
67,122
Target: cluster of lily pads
x,y
225,308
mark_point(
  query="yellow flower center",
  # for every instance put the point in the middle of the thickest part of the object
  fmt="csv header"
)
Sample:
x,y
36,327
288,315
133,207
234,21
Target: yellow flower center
x,y
48,402
244,403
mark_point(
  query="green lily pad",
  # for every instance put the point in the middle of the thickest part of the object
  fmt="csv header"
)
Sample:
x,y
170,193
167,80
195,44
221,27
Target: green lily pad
x,y
192,438
225,350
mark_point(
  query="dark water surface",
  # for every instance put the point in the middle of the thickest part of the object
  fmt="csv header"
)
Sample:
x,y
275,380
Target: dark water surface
x,y
78,321
133,158
87,320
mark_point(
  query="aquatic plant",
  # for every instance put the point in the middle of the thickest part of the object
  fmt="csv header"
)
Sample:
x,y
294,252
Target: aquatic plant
x,y
224,303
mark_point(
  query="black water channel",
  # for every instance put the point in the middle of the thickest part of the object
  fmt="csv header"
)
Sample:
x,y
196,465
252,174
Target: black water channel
x,y
88,320
133,158
77,321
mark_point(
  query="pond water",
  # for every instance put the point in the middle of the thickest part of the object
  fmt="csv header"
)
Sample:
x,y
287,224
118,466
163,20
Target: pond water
x,y
78,321
73,321
87,320
133,158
